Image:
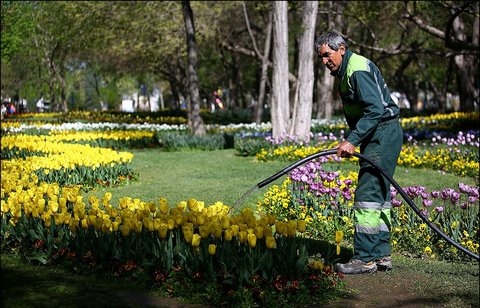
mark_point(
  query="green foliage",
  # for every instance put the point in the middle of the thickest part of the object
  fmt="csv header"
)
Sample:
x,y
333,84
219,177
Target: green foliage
x,y
249,145
173,141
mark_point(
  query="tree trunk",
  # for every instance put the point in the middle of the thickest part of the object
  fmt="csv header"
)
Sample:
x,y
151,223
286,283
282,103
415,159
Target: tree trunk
x,y
264,73
467,67
280,112
302,111
325,84
63,94
325,94
195,121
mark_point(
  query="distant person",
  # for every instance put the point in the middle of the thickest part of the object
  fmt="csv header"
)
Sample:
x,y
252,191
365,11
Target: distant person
x,y
373,119
4,111
218,99
40,104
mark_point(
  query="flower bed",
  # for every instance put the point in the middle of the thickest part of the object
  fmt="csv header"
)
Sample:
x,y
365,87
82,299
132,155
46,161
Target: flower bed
x,y
46,166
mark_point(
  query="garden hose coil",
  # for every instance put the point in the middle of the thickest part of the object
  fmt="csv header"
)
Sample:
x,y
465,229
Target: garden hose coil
x,y
388,177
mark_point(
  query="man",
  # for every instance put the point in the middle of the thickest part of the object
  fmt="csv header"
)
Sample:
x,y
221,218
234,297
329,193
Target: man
x,y
372,117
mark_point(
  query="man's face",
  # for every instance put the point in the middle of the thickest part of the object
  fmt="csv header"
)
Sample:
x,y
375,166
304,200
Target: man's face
x,y
330,58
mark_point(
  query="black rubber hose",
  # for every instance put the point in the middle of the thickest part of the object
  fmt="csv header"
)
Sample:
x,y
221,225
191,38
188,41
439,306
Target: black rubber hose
x,y
388,177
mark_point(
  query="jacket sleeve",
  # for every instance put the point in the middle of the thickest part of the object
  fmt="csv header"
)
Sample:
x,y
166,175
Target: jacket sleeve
x,y
368,95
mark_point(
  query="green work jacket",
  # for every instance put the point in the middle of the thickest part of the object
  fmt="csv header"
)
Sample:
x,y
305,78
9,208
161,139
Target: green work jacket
x,y
365,97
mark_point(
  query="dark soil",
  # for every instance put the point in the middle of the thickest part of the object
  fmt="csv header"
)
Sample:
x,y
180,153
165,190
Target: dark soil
x,y
402,287
379,290
412,283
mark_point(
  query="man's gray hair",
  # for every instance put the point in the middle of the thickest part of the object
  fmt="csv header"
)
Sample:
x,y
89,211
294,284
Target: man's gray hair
x,y
332,39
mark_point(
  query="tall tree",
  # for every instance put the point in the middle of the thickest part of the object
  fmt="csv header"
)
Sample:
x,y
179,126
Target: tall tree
x,y
463,41
55,38
17,55
302,108
324,105
280,112
264,61
195,121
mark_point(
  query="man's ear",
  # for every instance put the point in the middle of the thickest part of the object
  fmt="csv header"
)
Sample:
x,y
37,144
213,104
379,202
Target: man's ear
x,y
342,49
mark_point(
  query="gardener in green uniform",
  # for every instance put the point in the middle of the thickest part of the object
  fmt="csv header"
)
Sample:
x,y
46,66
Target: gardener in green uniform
x,y
372,117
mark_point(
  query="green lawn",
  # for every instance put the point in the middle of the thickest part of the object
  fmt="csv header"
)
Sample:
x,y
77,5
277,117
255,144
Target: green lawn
x,y
224,176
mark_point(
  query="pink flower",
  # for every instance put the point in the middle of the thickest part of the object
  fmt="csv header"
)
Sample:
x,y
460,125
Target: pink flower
x,y
427,202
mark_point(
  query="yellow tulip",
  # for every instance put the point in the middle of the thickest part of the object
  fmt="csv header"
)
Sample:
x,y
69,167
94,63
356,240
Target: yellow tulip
x,y
156,223
270,242
258,231
317,264
125,230
93,200
91,220
187,227
338,237
192,205
163,207
181,206
41,202
242,236
188,236
73,224
217,230
149,224
107,225
251,221
162,230
267,230
271,219
212,248
204,231
179,219
192,217
4,206
235,229
152,207
138,226
228,235
62,201
171,223
252,240
115,225
47,219
292,228
225,221
85,223
201,219
98,223
281,227
301,225
196,240
58,219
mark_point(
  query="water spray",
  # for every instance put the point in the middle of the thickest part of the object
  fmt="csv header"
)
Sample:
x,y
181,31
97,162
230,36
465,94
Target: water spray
x,y
386,175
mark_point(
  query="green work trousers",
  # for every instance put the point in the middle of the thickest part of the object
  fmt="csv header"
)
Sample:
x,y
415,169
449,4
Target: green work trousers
x,y
372,203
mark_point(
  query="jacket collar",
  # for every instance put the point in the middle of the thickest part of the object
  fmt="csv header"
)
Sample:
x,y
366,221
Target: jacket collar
x,y
343,67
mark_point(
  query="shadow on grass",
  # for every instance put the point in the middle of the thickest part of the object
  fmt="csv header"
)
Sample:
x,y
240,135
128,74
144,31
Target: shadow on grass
x,y
34,286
